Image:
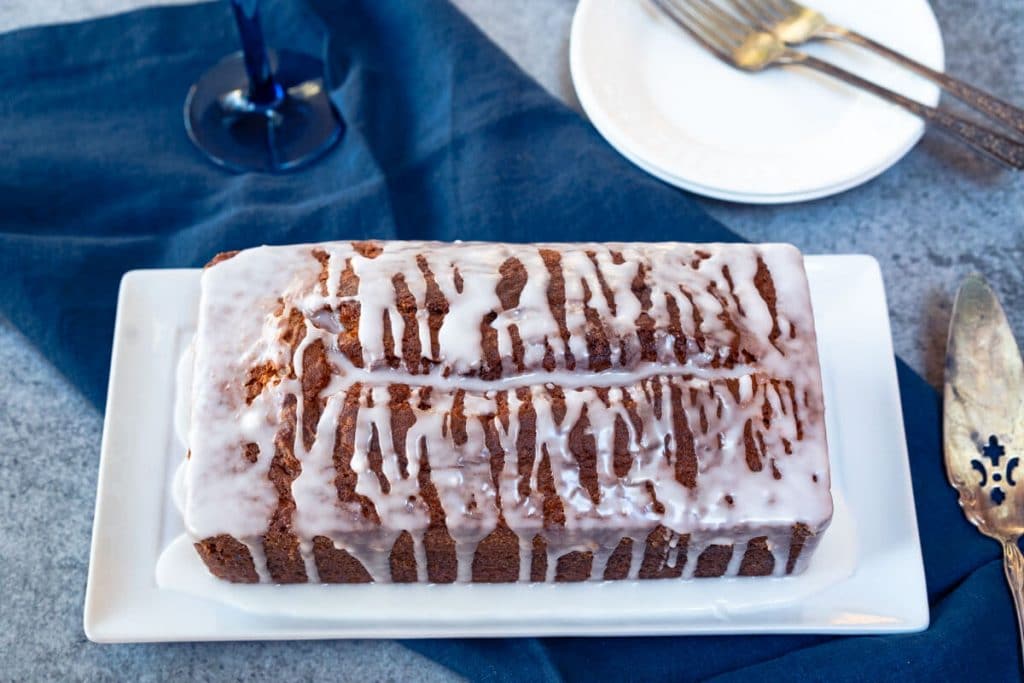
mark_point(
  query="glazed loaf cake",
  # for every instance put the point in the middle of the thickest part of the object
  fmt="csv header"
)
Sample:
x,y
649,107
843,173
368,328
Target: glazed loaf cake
x,y
415,411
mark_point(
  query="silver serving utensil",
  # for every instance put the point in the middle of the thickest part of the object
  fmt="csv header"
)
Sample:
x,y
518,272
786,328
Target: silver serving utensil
x,y
983,425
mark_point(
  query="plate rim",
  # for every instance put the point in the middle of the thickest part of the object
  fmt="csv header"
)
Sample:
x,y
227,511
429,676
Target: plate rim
x,y
617,138
121,620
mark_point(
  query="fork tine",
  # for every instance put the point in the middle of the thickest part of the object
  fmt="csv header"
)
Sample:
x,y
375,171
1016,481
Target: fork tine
x,y
720,19
771,10
728,38
752,12
712,42
784,8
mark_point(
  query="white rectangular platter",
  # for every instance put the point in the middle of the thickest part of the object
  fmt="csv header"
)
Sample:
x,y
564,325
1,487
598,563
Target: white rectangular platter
x,y
866,577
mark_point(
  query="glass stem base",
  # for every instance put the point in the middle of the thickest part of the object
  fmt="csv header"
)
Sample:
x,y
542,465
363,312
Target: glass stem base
x,y
294,128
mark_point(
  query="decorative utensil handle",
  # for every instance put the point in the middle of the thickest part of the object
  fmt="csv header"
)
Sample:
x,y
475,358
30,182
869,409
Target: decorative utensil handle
x,y
987,104
1013,565
996,145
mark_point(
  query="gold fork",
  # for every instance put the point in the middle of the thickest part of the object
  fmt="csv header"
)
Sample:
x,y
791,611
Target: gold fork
x,y
795,24
745,47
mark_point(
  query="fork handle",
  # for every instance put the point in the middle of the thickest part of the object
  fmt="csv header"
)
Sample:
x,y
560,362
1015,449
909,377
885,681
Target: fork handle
x,y
996,145
987,104
1013,565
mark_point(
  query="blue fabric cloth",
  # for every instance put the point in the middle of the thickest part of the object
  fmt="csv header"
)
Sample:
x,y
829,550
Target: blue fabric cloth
x,y
447,139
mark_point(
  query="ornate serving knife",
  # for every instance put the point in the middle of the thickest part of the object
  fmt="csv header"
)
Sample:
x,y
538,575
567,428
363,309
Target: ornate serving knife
x,y
984,425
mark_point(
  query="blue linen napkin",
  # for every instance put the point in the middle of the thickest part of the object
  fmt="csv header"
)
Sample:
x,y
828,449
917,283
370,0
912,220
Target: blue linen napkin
x,y
447,139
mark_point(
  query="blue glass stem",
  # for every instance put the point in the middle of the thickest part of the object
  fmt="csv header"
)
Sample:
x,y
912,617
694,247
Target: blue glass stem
x,y
263,89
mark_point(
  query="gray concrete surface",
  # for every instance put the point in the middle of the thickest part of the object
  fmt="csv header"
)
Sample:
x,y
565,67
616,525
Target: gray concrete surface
x,y
935,216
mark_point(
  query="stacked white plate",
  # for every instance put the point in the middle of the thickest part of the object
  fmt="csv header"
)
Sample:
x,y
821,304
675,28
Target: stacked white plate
x,y
784,135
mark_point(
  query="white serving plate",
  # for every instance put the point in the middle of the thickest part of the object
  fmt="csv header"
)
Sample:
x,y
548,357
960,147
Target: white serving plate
x,y
785,135
146,584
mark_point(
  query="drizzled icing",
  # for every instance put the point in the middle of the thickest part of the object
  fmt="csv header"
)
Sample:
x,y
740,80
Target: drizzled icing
x,y
696,365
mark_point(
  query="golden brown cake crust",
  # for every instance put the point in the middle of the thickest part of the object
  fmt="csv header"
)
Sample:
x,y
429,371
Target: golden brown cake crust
x,y
495,561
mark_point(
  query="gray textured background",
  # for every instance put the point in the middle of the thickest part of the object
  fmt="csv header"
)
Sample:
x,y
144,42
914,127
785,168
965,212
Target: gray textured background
x,y
937,215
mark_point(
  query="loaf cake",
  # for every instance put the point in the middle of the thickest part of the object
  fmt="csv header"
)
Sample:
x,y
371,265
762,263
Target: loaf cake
x,y
483,412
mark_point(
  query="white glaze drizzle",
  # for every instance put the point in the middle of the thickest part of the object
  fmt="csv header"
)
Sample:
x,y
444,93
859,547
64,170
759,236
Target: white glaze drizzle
x,y
247,298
